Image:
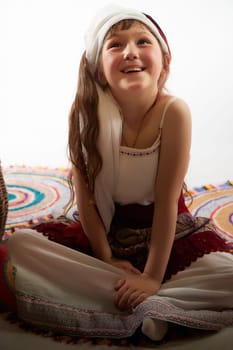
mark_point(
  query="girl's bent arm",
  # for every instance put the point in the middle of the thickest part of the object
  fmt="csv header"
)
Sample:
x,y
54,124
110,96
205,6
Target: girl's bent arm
x,y
90,220
173,163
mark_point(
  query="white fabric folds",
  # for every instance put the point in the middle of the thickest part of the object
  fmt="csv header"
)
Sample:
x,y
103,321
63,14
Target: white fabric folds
x,y
63,290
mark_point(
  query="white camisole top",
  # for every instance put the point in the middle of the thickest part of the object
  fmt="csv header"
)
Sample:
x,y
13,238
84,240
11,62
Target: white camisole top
x,y
137,171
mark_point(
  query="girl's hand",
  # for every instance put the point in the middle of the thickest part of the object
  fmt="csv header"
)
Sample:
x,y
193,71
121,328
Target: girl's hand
x,y
124,265
134,289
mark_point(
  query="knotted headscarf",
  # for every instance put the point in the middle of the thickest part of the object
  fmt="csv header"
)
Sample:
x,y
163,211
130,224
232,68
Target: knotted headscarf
x,y
105,19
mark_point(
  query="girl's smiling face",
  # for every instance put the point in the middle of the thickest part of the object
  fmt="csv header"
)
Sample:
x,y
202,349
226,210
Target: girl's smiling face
x,y
131,59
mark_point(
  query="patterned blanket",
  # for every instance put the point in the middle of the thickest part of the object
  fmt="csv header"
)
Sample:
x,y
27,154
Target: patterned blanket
x,y
35,195
38,194
215,202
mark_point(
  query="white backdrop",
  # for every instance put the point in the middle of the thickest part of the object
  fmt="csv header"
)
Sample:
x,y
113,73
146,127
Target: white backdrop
x,y
41,44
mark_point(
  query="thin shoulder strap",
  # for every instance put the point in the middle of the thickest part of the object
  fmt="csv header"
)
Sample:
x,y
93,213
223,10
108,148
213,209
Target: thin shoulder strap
x,y
170,101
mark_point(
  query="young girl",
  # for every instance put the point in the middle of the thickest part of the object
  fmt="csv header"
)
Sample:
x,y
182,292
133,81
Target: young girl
x,y
129,143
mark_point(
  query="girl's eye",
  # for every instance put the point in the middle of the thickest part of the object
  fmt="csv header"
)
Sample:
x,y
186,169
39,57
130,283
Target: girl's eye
x,y
143,42
114,44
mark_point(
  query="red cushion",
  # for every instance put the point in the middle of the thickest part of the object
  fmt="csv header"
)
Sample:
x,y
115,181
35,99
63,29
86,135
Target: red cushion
x,y
7,296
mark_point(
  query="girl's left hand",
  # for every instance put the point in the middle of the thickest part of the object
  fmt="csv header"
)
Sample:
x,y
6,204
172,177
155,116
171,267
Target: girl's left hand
x,y
133,289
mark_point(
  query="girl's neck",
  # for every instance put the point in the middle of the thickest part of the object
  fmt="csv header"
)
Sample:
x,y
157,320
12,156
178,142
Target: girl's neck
x,y
134,109
133,125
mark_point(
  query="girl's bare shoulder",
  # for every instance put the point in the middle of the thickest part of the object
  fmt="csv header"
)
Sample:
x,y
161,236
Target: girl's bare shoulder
x,y
176,109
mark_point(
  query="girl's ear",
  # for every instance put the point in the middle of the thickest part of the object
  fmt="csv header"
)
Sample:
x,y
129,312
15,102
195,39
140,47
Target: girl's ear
x,y
166,61
165,71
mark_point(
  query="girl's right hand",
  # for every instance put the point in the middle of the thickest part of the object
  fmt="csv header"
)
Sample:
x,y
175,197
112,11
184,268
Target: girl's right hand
x,y
124,265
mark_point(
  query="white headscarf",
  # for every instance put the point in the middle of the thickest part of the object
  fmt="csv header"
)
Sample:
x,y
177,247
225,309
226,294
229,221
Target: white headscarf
x,y
109,140
104,20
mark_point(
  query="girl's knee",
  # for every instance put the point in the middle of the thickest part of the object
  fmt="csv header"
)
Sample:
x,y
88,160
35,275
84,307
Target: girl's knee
x,y
18,239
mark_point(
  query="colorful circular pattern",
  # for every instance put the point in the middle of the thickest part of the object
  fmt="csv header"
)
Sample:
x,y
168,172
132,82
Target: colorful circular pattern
x,y
216,202
35,194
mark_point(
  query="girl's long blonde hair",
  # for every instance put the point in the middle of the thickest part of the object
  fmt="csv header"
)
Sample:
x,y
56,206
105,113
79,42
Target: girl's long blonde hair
x,y
83,151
